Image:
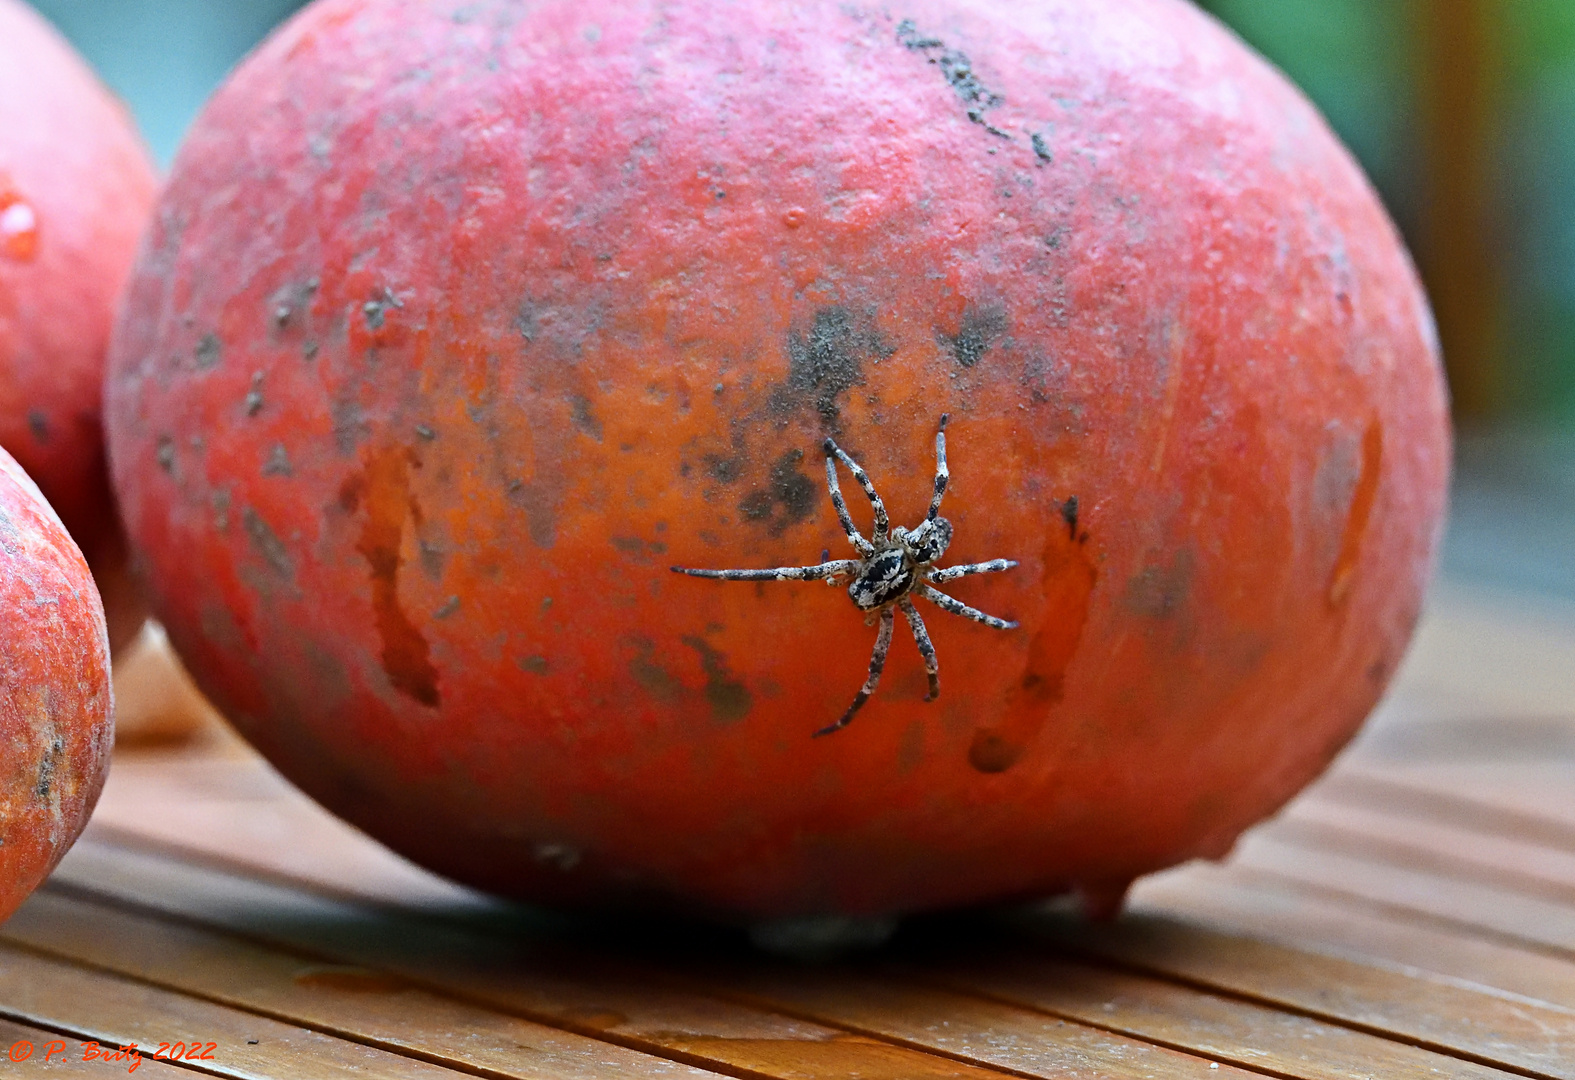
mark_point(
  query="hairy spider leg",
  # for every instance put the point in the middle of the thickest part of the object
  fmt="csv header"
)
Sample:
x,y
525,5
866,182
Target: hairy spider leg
x,y
877,663
942,473
952,573
780,573
861,545
957,607
921,638
882,523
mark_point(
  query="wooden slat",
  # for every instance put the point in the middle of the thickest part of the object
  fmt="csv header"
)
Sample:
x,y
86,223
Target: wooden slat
x,y
585,994
238,804
1532,801
115,1011
400,1016
1440,848
1473,1023
1249,1035
1467,905
1244,903
918,1012
353,1003
69,1062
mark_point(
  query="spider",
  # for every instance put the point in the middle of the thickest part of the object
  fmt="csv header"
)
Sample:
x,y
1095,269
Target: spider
x,y
893,566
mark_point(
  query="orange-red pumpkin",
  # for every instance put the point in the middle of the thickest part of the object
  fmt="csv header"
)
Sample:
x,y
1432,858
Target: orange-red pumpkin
x,y
76,186
461,322
56,713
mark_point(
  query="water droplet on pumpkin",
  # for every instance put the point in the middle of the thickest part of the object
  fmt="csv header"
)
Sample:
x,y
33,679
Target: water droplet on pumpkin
x,y
18,229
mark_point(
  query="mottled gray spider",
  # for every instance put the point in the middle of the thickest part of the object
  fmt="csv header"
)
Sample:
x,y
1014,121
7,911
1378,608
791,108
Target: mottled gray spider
x,y
894,565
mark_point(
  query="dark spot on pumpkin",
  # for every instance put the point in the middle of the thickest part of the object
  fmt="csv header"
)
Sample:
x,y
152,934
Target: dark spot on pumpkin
x,y
536,665
648,674
991,752
38,424
376,309
350,493
787,500
827,361
979,330
1069,515
633,545
208,353
48,763
432,558
730,699
1042,149
725,470
582,417
958,72
254,398
387,502
540,522
278,463
350,425
165,453
1159,591
266,543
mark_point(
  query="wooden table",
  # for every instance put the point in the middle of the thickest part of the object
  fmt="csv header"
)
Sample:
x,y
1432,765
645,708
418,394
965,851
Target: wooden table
x,y
1413,915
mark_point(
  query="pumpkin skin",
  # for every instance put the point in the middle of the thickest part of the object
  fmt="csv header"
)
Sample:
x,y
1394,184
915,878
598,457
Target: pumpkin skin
x,y
460,323
56,707
76,186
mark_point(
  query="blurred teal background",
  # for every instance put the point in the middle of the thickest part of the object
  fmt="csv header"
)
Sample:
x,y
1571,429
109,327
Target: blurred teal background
x,y
164,57
1462,112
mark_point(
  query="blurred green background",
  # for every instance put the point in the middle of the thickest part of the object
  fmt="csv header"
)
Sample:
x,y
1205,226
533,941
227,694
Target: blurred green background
x,y
1462,111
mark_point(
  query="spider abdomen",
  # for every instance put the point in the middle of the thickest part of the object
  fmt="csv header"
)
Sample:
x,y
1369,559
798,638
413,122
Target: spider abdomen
x,y
886,576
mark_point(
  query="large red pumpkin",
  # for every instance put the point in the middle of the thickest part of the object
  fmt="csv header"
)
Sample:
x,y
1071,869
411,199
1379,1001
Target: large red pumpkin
x,y
460,322
76,186
56,713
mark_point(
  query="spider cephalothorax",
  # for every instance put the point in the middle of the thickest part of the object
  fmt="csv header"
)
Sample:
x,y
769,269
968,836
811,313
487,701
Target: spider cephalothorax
x,y
893,566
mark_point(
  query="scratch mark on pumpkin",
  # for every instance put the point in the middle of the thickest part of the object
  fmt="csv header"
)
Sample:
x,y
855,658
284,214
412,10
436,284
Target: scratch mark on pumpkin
x,y
1362,500
1176,342
1068,579
384,494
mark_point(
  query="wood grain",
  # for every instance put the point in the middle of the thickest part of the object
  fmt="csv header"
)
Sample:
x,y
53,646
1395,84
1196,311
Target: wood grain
x,y
1245,903
95,1005
355,1003
1458,1020
577,991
